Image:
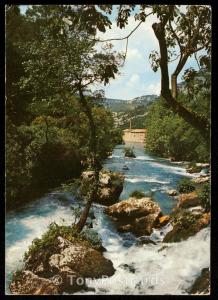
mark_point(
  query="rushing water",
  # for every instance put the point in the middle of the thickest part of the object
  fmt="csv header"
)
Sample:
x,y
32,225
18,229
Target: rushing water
x,y
150,269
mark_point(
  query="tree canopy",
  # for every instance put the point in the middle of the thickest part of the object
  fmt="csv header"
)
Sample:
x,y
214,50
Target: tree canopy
x,y
181,33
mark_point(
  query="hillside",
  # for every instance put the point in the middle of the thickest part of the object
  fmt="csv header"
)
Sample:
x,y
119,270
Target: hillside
x,y
118,105
125,110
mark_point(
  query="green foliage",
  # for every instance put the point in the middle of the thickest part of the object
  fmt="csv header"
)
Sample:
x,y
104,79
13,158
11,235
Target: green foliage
x,y
16,275
137,194
91,236
204,196
184,219
70,233
76,212
168,135
185,185
129,152
48,132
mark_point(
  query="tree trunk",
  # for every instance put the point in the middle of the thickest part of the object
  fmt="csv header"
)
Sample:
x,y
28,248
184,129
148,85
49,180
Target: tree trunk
x,y
174,85
46,131
181,63
95,165
82,221
198,122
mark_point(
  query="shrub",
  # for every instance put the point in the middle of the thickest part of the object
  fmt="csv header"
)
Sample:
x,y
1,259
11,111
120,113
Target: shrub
x,y
91,236
137,194
48,241
204,196
183,218
185,186
129,152
16,275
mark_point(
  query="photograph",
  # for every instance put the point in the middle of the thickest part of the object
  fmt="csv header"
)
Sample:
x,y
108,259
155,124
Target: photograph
x,y
108,149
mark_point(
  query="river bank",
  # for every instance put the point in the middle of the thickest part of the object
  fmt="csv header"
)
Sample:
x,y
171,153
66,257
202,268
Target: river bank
x,y
140,269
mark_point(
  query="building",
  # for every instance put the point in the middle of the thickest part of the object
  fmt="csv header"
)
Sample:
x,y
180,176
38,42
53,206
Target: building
x,y
134,135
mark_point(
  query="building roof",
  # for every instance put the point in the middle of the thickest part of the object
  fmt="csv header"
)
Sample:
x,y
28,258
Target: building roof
x,y
134,130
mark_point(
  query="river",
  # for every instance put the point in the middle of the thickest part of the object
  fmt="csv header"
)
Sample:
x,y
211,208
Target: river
x,y
140,269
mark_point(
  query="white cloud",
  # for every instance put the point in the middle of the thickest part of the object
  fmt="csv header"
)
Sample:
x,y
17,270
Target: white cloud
x,y
137,77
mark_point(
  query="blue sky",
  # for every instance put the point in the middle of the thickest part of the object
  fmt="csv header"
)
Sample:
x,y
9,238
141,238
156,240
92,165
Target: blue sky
x,y
136,78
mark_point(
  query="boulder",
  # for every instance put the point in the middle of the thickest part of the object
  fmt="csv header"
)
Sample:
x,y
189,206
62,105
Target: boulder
x,y
110,186
172,192
144,225
201,179
203,165
187,224
188,200
64,270
138,216
133,208
84,260
27,283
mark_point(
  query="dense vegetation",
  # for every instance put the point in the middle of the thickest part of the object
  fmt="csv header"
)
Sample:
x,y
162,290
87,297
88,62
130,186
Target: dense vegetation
x,y
48,132
169,135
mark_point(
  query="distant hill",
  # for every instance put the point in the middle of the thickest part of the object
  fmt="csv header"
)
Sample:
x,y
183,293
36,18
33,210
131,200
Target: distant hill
x,y
118,105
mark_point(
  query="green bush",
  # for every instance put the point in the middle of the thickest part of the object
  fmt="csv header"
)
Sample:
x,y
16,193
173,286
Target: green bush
x,y
129,152
16,275
137,194
185,186
91,236
204,196
48,241
183,219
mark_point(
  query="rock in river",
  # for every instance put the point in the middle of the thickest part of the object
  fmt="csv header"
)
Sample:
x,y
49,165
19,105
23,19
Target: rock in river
x,y
136,215
186,224
64,270
188,200
110,187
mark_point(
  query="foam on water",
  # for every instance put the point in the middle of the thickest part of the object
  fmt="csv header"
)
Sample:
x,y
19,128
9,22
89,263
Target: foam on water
x,y
30,227
144,179
144,157
169,271
174,169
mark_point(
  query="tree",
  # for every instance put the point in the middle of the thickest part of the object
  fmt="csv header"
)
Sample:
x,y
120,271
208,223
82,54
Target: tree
x,y
60,63
189,30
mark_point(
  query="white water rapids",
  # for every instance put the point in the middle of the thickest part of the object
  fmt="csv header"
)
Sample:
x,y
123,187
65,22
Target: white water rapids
x,y
140,269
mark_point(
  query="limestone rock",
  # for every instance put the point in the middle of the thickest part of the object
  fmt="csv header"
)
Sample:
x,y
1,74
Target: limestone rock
x,y
133,208
144,225
110,186
83,260
186,228
138,216
28,283
60,271
201,179
172,192
188,200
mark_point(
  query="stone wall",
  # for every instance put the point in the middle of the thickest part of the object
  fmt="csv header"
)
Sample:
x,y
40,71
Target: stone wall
x,y
134,135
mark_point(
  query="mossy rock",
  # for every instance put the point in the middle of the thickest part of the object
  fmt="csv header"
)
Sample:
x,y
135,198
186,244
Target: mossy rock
x,y
185,225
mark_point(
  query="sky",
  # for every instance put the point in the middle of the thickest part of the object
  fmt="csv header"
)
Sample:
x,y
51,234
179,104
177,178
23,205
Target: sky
x,y
136,78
